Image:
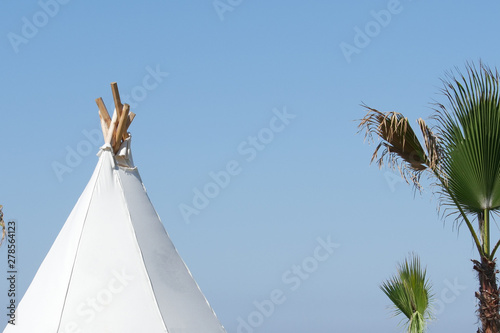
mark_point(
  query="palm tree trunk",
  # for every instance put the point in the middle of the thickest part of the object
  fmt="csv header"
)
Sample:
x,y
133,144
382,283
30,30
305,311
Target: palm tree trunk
x,y
488,296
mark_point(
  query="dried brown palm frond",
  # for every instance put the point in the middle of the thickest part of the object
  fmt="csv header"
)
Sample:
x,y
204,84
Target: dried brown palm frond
x,y
431,142
400,147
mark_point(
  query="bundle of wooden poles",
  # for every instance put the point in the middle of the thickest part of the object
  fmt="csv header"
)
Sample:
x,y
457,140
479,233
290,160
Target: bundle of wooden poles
x,y
115,128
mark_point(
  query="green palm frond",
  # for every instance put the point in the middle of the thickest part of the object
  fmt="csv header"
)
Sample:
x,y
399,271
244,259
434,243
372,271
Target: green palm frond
x,y
470,128
410,292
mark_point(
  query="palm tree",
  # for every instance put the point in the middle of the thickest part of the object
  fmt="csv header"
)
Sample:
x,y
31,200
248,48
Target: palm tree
x,y
462,155
410,292
2,224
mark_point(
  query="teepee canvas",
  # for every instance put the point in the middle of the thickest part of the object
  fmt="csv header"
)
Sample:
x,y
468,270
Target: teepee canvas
x,y
113,267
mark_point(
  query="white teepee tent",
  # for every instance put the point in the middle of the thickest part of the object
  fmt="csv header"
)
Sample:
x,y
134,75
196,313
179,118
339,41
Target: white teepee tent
x,y
113,267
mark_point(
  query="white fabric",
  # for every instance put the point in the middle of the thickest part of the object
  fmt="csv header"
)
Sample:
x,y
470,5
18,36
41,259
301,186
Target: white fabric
x,y
113,267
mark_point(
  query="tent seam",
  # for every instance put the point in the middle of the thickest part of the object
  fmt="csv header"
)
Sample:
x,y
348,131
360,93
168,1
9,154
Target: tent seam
x,y
78,249
140,250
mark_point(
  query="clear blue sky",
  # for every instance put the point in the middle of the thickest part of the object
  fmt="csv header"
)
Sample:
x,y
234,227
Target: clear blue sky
x,y
268,89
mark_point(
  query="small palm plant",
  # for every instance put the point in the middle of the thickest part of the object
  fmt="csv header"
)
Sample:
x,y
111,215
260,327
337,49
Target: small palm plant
x,y
410,292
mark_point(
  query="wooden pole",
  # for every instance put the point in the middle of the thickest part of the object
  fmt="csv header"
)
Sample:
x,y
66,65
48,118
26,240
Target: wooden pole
x,y
103,111
104,116
130,118
121,127
116,98
110,136
104,127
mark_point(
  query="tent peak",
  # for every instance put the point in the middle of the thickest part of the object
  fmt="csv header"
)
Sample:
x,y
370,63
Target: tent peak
x,y
115,129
